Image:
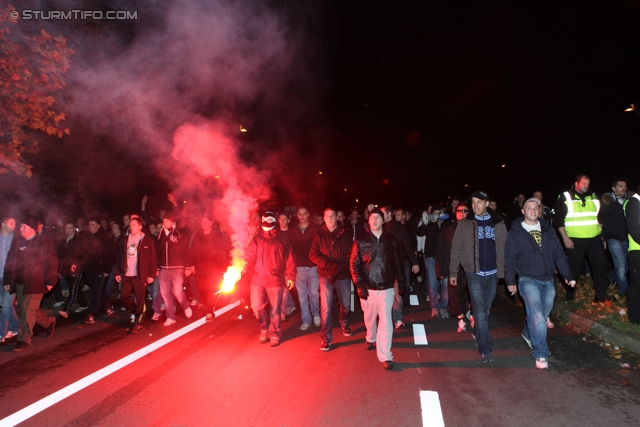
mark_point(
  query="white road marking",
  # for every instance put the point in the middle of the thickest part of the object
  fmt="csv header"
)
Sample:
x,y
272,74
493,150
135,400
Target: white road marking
x,y
431,410
413,300
419,334
59,395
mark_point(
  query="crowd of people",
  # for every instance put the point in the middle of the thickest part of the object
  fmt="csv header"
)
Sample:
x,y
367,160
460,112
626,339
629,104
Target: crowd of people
x,y
460,251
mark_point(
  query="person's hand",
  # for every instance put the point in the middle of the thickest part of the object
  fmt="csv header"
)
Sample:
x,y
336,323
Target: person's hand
x,y
193,269
363,293
172,199
290,284
150,280
187,272
453,281
144,201
415,269
118,278
604,242
74,268
49,288
512,289
571,283
105,274
568,243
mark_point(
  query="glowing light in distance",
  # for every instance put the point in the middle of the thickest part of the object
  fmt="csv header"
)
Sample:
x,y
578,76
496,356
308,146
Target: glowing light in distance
x,y
345,189
356,200
320,173
504,165
466,185
217,177
630,108
243,129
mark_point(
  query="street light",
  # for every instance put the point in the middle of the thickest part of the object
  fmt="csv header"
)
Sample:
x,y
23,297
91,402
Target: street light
x,y
631,108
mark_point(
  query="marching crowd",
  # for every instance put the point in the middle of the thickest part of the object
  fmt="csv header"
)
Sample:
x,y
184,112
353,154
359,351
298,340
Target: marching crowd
x,y
460,251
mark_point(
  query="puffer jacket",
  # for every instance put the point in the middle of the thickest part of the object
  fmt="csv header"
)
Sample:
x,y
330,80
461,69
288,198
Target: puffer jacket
x,y
269,257
523,256
375,262
464,249
330,251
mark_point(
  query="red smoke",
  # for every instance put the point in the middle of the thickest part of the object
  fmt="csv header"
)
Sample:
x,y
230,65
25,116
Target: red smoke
x,y
210,151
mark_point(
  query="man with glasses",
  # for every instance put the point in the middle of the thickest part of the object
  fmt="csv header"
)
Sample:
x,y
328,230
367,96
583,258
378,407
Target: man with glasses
x,y
478,246
458,300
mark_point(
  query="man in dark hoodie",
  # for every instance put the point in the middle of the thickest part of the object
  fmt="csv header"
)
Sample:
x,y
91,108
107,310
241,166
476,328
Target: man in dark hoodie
x,y
98,260
269,257
408,263
330,249
31,270
532,251
478,246
174,262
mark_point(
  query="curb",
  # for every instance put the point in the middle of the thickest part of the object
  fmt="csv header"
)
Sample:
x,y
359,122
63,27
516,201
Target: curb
x,y
608,334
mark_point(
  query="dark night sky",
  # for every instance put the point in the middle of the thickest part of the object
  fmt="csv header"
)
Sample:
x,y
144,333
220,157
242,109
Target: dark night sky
x,y
412,100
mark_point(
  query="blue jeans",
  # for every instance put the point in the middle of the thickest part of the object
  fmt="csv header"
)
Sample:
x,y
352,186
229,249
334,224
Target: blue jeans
x,y
436,286
343,291
8,317
308,286
618,250
154,290
287,301
482,290
171,281
260,297
538,298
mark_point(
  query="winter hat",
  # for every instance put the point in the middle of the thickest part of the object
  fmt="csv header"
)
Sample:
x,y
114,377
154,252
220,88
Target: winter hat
x,y
375,211
29,219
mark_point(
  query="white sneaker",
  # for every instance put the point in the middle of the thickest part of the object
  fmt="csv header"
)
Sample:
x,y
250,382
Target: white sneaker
x,y
194,302
156,316
528,341
541,363
461,325
10,334
133,318
305,326
188,312
168,322
316,320
123,308
79,309
399,324
550,324
290,310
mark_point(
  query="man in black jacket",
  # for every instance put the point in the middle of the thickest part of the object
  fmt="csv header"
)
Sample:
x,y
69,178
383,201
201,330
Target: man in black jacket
x,y
30,271
632,211
408,262
98,261
174,262
532,251
136,268
330,249
375,266
614,230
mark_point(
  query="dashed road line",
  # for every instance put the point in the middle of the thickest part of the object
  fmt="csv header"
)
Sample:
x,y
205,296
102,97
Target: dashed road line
x,y
419,334
431,410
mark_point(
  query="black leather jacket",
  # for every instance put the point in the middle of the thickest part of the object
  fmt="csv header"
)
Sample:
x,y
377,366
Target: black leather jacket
x,y
330,252
375,263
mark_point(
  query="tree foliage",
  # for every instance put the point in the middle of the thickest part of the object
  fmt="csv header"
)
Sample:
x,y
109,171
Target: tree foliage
x,y
31,71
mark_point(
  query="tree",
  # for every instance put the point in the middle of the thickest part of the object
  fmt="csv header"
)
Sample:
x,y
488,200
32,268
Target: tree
x,y
31,70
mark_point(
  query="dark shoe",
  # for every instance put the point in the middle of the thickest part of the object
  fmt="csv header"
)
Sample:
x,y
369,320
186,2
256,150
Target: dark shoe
x,y
571,294
51,329
275,341
109,312
369,345
388,365
21,346
89,319
136,329
346,331
487,359
325,346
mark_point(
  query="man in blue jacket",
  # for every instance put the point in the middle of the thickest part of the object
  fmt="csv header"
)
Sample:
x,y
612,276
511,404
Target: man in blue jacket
x,y
532,251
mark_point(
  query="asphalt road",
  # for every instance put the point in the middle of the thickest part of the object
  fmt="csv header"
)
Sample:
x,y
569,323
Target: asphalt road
x,y
220,375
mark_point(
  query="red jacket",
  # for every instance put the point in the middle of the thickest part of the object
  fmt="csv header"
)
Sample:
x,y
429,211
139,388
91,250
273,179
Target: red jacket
x,y
269,256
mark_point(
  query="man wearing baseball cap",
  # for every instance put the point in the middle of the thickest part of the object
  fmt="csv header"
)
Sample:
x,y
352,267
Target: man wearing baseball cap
x,y
478,246
31,270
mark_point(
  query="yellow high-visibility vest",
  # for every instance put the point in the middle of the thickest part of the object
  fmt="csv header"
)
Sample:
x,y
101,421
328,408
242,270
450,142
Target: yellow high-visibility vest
x,y
581,222
633,245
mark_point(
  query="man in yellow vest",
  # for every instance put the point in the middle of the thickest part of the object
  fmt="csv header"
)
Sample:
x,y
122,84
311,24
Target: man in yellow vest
x,y
632,212
576,219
